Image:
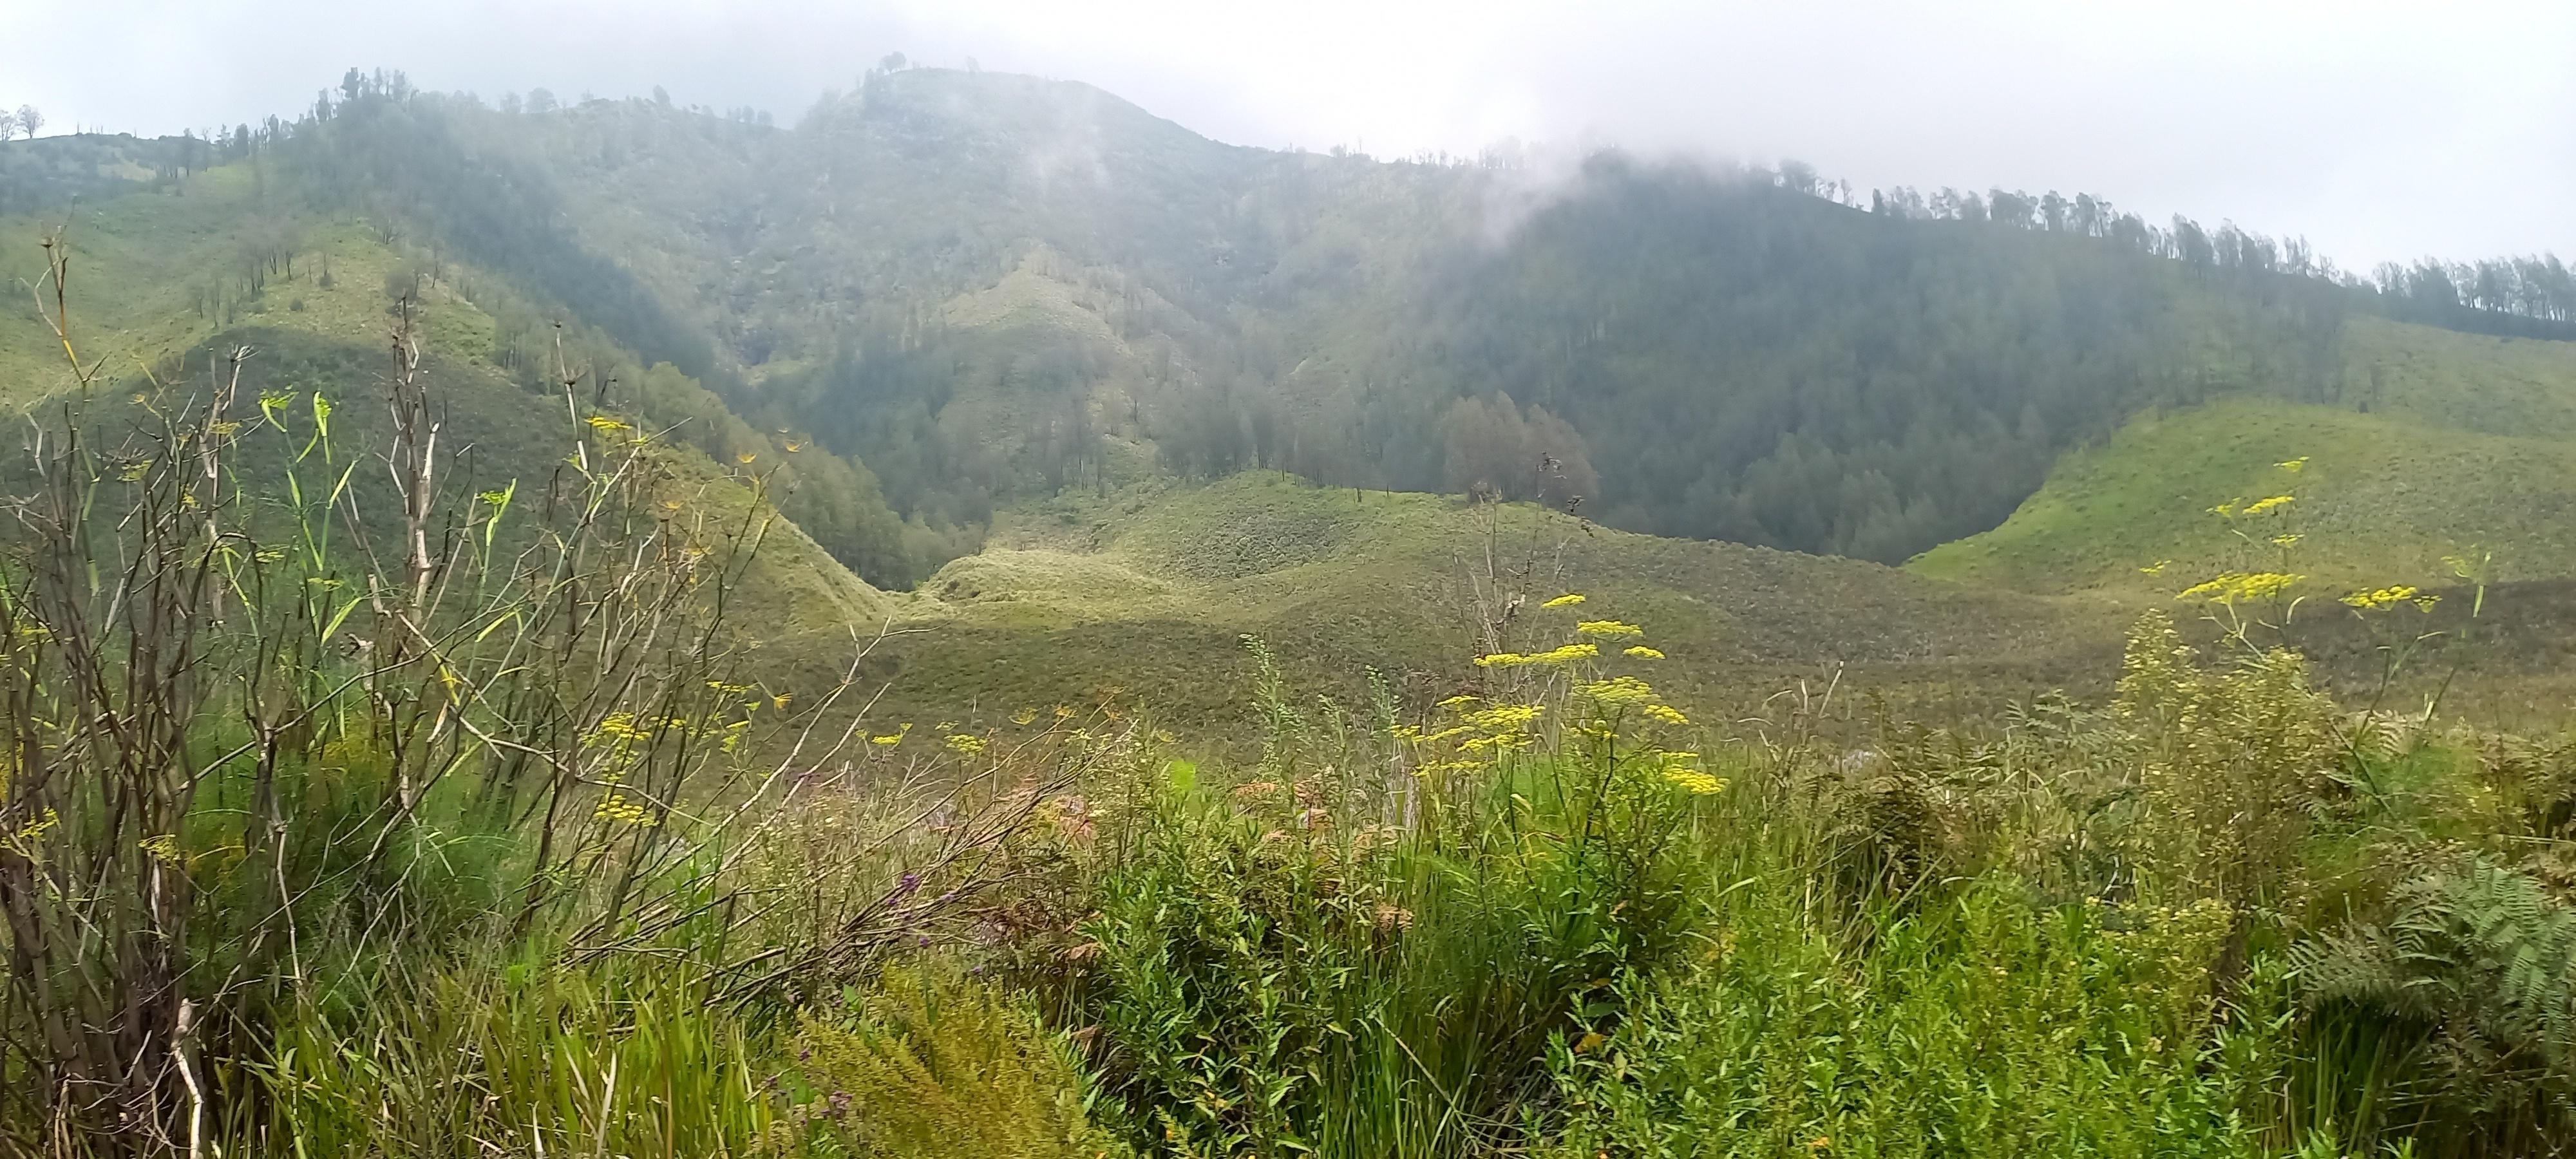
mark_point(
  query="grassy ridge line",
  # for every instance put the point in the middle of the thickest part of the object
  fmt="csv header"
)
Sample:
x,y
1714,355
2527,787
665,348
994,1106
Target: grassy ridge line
x,y
142,262
2381,500
2436,442
1149,592
2522,387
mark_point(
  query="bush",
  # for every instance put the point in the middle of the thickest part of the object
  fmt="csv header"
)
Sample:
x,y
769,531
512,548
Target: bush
x,y
936,1064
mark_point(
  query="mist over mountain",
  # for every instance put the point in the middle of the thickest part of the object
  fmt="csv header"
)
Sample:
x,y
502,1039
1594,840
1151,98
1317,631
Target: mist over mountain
x,y
968,288
950,291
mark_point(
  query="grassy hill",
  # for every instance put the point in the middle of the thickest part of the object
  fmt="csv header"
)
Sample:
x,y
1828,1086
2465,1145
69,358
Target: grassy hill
x,y
1151,590
2441,444
160,286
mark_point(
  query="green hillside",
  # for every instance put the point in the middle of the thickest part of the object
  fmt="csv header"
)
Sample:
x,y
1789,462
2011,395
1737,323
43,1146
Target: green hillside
x,y
1151,593
2444,444
168,282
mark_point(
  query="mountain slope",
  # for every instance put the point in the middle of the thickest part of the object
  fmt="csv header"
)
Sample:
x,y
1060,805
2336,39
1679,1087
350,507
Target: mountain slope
x,y
2444,444
168,283
1709,354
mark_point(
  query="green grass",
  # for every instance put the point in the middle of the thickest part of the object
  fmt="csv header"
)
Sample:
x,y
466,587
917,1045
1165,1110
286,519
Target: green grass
x,y
1150,590
2435,442
2381,500
2523,387
156,272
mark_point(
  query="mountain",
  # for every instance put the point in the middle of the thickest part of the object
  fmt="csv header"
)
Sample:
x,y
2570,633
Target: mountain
x,y
1036,353
1709,354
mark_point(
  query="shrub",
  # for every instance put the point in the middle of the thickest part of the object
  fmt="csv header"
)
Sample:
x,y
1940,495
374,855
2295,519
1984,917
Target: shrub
x,y
936,1064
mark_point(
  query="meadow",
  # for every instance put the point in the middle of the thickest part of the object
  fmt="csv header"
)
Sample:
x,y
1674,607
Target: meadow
x,y
429,817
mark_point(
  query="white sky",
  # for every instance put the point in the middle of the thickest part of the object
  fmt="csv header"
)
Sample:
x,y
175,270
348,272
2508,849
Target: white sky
x,y
2377,129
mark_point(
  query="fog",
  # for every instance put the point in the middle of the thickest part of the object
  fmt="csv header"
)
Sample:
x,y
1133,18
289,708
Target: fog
x,y
2378,131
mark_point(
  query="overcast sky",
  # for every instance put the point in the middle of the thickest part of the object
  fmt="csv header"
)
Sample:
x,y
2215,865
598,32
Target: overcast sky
x,y
2377,130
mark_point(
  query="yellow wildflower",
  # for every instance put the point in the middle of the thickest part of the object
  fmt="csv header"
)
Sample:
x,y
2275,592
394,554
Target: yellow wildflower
x,y
744,457
1609,629
2156,568
2293,466
1567,600
1643,652
1561,654
1667,714
36,828
624,810
2287,540
2260,506
1024,716
605,425
964,744
2235,586
1505,717
1619,692
1693,781
2394,594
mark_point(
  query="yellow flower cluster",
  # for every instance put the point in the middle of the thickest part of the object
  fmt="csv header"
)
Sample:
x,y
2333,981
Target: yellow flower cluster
x,y
1567,600
2236,586
37,828
2394,594
1643,652
2293,466
625,810
2276,502
1667,714
605,425
620,728
1618,692
1561,654
1504,717
891,739
1681,774
1609,629
1480,735
163,848
964,744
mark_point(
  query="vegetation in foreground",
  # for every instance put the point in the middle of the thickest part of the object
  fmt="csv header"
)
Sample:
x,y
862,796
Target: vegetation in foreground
x,y
427,820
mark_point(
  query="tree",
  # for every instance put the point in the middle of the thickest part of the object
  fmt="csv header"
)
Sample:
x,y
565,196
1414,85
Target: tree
x,y
661,96
29,120
541,101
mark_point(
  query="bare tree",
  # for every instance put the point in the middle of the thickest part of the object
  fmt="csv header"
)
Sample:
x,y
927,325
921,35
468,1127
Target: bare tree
x,y
29,120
